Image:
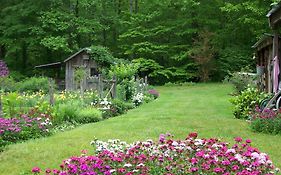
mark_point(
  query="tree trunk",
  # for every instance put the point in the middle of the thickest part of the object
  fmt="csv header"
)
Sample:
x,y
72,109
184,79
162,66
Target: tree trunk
x,y
131,6
24,56
104,32
78,36
119,7
2,52
51,92
136,6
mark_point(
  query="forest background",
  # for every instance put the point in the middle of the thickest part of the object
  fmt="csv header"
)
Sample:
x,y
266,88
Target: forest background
x,y
173,40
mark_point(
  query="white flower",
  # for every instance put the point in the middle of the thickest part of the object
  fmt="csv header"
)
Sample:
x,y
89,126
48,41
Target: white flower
x,y
175,143
112,171
140,165
127,165
231,151
239,158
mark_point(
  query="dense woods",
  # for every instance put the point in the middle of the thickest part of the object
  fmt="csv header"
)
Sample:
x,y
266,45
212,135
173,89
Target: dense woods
x,y
174,40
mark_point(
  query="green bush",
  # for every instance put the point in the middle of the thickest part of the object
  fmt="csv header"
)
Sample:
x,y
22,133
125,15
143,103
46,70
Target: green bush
x,y
7,84
88,115
246,101
33,84
268,126
121,107
117,107
67,111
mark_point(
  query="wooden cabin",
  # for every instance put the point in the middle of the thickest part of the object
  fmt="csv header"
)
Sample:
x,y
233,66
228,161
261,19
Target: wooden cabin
x,y
264,61
80,59
268,48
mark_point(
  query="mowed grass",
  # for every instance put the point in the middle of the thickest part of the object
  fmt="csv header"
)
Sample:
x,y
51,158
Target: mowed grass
x,y
203,108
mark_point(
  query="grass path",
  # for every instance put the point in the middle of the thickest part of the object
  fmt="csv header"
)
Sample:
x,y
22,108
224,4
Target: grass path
x,y
179,110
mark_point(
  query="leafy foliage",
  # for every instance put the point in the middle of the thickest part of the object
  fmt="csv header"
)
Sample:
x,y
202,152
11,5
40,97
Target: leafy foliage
x,y
246,102
241,80
160,32
102,55
267,121
33,84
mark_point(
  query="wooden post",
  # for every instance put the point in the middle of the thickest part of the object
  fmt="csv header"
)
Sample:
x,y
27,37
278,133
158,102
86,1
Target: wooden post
x,y
82,88
146,83
114,89
275,51
100,86
51,92
137,84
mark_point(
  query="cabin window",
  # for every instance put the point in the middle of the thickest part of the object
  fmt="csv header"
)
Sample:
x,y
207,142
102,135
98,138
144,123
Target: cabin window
x,y
94,72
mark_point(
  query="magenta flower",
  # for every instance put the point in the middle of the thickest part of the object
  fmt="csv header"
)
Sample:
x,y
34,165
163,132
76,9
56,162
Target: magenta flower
x,y
36,170
194,169
238,139
169,156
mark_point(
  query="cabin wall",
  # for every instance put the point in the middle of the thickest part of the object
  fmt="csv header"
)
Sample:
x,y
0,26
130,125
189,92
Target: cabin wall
x,y
87,64
265,60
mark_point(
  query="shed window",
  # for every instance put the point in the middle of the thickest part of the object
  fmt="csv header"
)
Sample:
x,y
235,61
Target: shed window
x,y
94,72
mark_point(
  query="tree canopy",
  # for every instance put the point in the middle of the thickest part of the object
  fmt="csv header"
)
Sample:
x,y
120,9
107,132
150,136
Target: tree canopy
x,y
166,36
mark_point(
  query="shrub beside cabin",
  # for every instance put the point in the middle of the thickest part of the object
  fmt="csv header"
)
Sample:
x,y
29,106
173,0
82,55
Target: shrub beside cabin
x,y
80,59
268,54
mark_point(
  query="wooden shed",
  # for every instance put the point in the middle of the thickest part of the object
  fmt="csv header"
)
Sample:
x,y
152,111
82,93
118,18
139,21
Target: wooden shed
x,y
81,59
268,54
264,61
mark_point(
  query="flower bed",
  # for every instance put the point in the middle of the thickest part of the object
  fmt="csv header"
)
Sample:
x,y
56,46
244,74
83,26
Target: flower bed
x,y
25,127
168,156
268,121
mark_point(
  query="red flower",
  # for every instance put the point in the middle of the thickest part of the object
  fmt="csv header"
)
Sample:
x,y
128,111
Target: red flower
x,y
192,135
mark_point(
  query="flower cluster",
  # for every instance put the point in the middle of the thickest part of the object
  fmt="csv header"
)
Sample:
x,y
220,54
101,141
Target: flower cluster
x,y
4,71
265,114
153,93
138,98
266,121
25,127
104,104
169,157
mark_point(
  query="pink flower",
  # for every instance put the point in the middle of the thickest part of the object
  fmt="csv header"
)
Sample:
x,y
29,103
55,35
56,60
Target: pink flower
x,y
36,170
194,169
248,141
48,170
218,170
235,167
238,139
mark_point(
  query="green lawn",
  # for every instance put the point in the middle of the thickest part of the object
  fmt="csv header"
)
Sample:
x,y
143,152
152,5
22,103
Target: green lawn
x,y
179,110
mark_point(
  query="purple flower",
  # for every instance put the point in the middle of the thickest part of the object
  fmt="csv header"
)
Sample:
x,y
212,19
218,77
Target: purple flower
x,y
4,71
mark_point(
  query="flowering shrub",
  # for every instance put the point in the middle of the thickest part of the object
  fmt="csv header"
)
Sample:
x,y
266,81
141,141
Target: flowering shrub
x,y
25,127
246,102
4,71
168,156
267,121
138,99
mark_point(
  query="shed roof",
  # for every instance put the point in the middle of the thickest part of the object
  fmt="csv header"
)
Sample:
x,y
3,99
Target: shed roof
x,y
274,9
50,65
264,37
274,16
77,53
